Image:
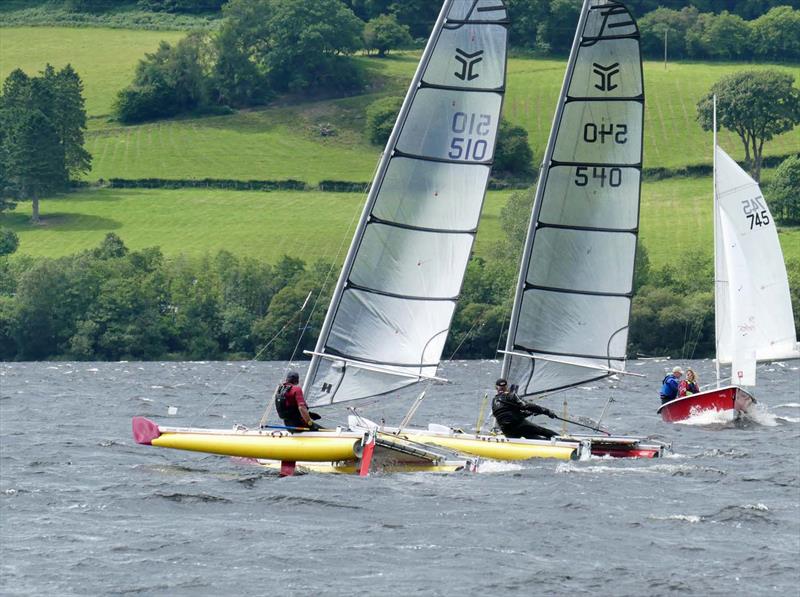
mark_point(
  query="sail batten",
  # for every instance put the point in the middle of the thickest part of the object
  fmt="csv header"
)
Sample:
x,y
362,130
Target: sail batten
x,y
397,292
575,288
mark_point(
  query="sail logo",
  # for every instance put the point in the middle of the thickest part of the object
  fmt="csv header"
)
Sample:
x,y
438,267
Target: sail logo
x,y
468,62
326,387
605,73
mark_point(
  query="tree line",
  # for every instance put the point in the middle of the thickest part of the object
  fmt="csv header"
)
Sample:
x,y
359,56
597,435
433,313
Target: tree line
x,y
265,48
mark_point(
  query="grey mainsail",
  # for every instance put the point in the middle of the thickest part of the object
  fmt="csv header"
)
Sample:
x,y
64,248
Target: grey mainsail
x,y
569,322
391,310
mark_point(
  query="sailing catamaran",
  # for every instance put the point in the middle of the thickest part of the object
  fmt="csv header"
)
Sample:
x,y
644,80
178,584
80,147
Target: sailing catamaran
x,y
392,307
569,323
753,308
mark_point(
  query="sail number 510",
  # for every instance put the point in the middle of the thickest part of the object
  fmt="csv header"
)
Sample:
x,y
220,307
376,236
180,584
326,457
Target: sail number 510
x,y
467,147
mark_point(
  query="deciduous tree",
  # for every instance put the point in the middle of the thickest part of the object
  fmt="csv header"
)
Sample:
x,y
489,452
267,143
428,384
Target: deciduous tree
x,y
756,105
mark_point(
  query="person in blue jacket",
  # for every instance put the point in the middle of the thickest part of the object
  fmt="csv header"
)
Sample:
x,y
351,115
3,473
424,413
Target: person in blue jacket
x,y
670,384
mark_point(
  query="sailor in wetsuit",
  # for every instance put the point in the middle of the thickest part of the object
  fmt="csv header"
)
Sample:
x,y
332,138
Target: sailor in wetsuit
x,y
510,411
291,405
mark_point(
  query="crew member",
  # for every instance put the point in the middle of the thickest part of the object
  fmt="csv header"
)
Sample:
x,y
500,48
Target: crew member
x,y
689,385
510,412
669,385
291,405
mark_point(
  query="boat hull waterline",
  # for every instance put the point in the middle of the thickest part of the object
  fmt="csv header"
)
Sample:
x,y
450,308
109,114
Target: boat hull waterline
x,y
334,451
499,447
729,398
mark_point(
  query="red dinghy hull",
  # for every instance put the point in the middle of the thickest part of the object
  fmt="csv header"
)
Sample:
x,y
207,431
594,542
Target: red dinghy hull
x,y
721,399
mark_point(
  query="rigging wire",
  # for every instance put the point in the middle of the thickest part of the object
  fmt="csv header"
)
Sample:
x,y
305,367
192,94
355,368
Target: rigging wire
x,y
334,261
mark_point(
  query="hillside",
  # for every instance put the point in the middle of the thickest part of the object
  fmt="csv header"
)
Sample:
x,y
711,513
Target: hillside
x,y
283,141
279,141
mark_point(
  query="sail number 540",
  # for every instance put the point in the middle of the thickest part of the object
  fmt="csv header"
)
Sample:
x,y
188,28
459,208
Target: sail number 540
x,y
603,176
466,146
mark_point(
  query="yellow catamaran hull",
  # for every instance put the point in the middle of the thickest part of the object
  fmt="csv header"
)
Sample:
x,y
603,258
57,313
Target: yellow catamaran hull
x,y
333,451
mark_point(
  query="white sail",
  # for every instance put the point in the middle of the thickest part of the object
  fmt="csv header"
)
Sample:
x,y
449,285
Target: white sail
x,y
573,297
754,320
391,311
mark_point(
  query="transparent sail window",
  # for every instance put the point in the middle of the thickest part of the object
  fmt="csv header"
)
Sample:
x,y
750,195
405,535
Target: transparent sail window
x,y
609,20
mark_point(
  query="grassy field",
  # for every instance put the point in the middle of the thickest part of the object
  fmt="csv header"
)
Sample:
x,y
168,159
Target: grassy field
x,y
676,218
104,58
283,141
195,222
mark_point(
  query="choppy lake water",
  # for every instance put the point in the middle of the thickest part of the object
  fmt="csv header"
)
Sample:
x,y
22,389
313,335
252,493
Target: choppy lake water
x,y
86,511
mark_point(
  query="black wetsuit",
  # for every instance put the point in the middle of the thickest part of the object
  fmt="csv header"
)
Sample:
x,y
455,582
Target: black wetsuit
x,y
510,412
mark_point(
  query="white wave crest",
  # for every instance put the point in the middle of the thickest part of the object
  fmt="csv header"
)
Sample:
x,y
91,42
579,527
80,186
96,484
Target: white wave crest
x,y
656,469
709,417
496,466
690,518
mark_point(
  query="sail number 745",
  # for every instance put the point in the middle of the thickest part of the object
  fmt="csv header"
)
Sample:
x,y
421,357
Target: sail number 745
x,y
469,126
756,212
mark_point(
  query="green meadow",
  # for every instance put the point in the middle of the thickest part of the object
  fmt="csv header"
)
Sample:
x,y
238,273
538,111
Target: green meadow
x,y
283,141
104,58
675,219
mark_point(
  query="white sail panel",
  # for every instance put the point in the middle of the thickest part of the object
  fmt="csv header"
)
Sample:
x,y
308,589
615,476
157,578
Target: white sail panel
x,y
592,196
601,261
756,305
607,70
452,125
531,374
394,301
411,263
432,194
477,10
467,51
574,293
366,322
567,324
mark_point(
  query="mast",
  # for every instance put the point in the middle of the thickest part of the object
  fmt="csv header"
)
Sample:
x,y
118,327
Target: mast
x,y
372,196
537,201
716,232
